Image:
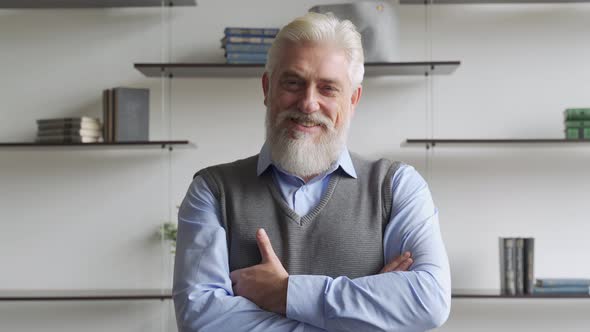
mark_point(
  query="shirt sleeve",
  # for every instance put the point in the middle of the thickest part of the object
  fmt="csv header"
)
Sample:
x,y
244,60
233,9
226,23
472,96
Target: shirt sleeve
x,y
202,290
414,300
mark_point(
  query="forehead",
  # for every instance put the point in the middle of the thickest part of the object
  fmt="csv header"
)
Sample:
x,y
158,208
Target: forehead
x,y
313,61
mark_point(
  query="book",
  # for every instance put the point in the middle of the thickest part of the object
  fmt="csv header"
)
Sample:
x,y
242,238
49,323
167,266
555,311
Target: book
x,y
519,265
529,265
245,62
245,47
83,119
577,124
577,114
69,125
70,132
577,133
244,39
246,56
579,290
251,31
507,266
130,114
67,139
562,282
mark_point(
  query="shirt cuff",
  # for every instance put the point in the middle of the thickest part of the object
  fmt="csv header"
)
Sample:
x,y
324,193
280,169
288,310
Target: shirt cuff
x,y
305,299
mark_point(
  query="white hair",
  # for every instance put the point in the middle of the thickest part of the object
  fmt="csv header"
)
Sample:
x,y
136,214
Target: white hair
x,y
316,28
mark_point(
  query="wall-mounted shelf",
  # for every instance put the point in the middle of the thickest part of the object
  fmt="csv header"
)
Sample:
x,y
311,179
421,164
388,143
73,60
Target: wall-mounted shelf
x,y
84,295
47,4
477,2
223,70
158,294
495,141
496,294
114,145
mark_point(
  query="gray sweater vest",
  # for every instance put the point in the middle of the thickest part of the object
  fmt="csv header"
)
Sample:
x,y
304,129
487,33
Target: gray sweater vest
x,y
341,236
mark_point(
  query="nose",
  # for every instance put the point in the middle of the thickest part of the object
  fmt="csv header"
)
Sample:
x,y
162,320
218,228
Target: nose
x,y
309,101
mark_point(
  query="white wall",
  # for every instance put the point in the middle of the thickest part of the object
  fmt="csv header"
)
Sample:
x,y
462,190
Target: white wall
x,y
85,219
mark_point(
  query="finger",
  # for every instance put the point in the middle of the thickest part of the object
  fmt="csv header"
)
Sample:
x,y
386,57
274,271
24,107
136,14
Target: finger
x,y
265,247
405,265
391,266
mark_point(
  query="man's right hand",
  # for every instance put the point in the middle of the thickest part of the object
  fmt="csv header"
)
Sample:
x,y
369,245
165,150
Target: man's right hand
x,y
400,263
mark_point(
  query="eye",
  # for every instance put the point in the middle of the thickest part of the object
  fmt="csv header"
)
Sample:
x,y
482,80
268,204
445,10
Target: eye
x,y
291,84
330,90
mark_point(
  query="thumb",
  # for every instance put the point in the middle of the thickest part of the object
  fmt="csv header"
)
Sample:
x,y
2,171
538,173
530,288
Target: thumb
x,y
265,247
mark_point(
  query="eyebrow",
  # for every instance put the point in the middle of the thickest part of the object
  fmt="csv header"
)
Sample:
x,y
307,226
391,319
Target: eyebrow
x,y
291,73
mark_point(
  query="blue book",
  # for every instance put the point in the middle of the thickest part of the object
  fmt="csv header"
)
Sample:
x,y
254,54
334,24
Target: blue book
x,y
581,290
244,62
246,48
562,282
246,39
246,56
262,32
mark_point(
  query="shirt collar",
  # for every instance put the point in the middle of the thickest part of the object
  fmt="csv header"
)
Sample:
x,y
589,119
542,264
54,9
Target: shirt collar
x,y
344,162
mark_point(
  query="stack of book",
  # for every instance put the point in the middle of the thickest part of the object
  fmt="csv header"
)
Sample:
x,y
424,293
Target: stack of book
x,y
69,130
557,286
577,123
247,45
517,265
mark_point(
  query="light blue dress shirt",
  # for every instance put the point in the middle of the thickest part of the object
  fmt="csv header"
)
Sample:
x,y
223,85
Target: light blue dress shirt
x,y
414,300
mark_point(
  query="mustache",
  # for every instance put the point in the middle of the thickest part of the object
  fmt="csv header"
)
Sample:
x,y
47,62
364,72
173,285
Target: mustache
x,y
316,117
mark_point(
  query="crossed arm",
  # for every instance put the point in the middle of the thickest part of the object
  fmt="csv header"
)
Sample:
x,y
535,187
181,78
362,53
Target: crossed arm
x,y
416,300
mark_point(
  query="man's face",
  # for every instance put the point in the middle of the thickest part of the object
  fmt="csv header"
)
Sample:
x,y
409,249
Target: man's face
x,y
310,102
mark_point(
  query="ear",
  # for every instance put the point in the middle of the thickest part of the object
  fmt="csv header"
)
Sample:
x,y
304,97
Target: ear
x,y
355,98
265,87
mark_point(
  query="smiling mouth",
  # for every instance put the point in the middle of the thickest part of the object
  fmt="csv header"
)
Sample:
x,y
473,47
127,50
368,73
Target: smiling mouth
x,y
305,123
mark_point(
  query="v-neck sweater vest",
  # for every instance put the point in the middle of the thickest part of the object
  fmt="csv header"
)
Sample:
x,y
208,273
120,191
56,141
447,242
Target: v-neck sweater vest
x,y
341,236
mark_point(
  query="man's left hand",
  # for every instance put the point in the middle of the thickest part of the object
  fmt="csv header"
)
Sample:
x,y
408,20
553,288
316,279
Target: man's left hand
x,y
264,284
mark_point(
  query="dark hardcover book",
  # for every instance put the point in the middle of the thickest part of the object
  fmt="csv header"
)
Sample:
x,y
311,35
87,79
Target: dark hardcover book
x,y
105,114
247,48
70,132
562,282
508,256
244,39
246,56
570,290
529,265
264,32
131,114
502,265
577,114
519,265
83,119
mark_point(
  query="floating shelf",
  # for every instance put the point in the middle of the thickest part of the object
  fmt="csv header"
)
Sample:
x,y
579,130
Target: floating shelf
x,y
158,294
222,70
85,295
496,141
114,145
47,4
481,2
496,294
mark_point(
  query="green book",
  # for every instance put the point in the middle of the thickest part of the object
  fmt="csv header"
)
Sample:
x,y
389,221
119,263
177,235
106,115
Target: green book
x,y
577,114
572,133
577,133
577,124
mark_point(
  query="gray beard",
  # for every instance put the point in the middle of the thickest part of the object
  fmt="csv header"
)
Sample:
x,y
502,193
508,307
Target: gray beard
x,y
303,155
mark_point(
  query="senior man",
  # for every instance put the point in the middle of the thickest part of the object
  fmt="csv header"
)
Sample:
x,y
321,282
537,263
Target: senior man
x,y
306,236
